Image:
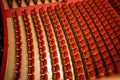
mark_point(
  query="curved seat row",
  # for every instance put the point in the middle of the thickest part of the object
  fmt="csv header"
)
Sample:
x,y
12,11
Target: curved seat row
x,y
52,45
35,2
30,46
18,44
42,48
62,43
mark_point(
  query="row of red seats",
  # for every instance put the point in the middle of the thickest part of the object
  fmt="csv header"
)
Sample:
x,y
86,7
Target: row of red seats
x,y
19,2
80,38
18,46
76,58
90,36
10,3
43,1
52,45
42,48
30,46
115,40
62,43
115,4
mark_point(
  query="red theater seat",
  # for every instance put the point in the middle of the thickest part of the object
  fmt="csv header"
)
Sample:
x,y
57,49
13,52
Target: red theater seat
x,y
56,76
56,68
67,68
66,61
44,70
65,54
31,70
80,71
43,56
55,61
69,75
31,62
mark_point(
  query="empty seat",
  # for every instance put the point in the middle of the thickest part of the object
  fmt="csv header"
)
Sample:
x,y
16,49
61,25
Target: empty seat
x,y
76,57
50,37
91,74
54,54
66,61
30,62
68,75
52,42
63,48
55,61
56,68
44,70
42,49
18,60
53,48
30,48
87,59
81,77
56,76
17,75
31,55
67,68
61,37
62,43
42,43
78,64
43,56
18,67
99,63
31,70
44,77
30,76
65,54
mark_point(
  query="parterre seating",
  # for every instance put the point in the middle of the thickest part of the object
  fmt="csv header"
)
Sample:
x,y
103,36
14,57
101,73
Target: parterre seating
x,y
93,46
